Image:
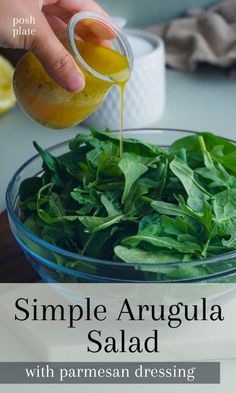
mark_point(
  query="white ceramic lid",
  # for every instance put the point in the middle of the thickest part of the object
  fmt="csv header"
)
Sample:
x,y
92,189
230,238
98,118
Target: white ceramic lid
x,y
140,45
145,45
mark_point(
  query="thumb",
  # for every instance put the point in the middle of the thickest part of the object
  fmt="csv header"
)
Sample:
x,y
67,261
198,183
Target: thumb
x,y
57,61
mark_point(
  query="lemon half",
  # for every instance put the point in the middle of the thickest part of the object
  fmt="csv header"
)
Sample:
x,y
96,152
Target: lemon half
x,y
7,97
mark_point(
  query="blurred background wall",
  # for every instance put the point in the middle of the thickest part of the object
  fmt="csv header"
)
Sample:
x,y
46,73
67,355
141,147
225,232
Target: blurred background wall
x,y
144,12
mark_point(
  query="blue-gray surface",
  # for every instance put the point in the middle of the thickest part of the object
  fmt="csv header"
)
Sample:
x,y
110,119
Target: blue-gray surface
x,y
144,12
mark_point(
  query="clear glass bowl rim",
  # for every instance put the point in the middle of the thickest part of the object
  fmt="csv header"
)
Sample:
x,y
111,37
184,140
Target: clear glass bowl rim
x,y
11,212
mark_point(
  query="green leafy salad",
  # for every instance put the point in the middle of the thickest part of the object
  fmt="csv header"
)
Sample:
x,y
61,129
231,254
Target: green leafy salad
x,y
151,205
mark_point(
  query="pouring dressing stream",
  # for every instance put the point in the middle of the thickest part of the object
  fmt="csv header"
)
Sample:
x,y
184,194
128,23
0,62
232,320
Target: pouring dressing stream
x,y
45,101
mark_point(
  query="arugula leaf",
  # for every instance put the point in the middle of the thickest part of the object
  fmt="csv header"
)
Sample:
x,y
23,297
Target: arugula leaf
x,y
229,161
132,170
196,193
224,207
163,242
230,243
95,224
134,146
193,149
214,170
178,226
49,161
110,208
139,256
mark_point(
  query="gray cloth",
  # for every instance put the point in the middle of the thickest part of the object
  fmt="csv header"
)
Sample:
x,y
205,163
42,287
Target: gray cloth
x,y
203,36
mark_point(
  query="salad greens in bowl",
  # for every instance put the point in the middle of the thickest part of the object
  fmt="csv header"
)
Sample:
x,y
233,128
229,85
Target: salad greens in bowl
x,y
162,211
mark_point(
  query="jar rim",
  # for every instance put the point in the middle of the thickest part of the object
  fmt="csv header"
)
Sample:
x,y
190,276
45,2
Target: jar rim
x,y
120,36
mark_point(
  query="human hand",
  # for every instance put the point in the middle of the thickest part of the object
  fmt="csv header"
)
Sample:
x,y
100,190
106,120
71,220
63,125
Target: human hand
x,y
51,18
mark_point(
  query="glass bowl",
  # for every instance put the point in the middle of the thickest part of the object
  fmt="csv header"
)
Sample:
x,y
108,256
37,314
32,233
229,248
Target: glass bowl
x,y
80,268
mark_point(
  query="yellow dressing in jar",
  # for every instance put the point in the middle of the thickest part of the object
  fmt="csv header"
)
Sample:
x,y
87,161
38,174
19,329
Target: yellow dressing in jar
x,y
51,105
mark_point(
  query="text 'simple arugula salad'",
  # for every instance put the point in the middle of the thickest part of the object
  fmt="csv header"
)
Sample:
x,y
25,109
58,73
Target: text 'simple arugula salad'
x,y
149,205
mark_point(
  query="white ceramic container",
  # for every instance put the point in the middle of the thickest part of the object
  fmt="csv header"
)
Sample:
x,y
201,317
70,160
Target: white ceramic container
x,y
145,91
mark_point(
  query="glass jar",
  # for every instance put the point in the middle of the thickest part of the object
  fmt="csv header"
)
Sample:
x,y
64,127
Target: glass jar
x,y
49,104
